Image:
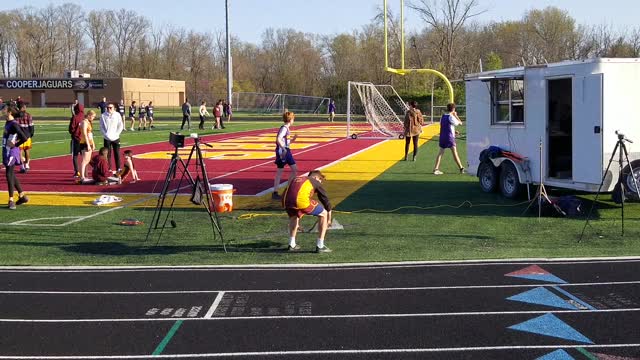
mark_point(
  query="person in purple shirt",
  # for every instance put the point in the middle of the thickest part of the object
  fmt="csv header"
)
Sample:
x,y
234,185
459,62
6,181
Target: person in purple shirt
x,y
332,110
448,133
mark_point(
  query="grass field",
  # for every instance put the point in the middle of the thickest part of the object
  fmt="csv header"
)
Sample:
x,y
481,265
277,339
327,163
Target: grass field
x,y
435,218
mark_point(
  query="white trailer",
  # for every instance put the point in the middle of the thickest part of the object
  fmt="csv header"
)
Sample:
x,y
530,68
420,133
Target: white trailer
x,y
562,117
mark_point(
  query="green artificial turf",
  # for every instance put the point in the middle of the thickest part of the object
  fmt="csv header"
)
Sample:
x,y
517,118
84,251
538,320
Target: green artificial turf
x,y
406,214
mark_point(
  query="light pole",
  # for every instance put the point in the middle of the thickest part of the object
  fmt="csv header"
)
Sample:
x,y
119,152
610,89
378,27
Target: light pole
x,y
229,64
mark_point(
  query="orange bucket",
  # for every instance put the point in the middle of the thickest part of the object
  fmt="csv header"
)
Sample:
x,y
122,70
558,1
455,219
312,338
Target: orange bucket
x,y
222,197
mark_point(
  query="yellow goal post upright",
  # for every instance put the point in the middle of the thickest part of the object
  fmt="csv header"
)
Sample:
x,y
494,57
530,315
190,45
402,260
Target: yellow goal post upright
x,y
402,70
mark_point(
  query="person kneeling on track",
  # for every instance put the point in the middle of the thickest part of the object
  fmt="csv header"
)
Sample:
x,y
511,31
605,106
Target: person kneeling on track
x,y
297,201
100,173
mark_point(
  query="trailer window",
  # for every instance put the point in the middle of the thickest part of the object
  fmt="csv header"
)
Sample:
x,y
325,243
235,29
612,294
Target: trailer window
x,y
508,101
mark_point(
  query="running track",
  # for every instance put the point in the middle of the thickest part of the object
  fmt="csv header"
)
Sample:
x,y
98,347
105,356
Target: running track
x,y
497,310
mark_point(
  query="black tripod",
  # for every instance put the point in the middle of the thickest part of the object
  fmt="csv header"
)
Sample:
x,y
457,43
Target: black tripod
x,y
199,187
620,187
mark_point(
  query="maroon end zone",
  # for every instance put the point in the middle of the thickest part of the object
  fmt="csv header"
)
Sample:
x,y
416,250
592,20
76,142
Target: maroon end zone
x,y
249,177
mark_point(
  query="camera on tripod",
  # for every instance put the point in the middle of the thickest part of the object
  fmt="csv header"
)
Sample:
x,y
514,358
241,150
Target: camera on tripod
x,y
176,139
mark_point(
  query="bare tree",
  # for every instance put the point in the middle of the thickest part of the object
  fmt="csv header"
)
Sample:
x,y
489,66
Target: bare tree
x,y
447,18
98,29
72,22
127,29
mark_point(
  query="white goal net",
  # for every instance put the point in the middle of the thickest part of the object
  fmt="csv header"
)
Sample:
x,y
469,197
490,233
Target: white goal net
x,y
374,111
272,103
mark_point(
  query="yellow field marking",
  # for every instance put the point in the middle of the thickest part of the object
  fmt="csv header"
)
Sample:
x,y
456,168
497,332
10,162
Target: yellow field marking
x,y
347,176
272,140
256,146
343,179
214,155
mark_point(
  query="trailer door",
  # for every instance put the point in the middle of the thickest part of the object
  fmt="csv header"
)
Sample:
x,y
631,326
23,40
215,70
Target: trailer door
x,y
587,129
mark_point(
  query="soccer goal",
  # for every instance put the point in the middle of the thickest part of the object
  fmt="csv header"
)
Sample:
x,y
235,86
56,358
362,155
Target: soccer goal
x,y
374,111
272,103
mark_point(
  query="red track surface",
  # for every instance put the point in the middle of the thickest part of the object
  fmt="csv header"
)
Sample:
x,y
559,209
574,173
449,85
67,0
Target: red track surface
x,y
248,177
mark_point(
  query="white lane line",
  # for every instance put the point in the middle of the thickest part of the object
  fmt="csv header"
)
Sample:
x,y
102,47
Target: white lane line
x,y
329,352
417,288
327,267
214,306
345,316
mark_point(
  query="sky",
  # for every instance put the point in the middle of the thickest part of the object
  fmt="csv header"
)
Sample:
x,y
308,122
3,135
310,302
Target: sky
x,y
250,18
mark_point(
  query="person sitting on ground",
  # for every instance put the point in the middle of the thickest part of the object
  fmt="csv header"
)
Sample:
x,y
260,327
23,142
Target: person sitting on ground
x,y
297,201
129,168
448,133
101,174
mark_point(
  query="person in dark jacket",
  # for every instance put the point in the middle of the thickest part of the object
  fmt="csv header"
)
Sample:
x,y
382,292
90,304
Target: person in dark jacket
x,y
413,121
186,114
75,129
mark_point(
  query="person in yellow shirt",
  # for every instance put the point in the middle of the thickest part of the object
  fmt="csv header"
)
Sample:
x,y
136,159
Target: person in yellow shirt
x,y
298,201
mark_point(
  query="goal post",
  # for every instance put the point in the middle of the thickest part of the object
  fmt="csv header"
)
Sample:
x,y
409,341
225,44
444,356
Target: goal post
x,y
374,111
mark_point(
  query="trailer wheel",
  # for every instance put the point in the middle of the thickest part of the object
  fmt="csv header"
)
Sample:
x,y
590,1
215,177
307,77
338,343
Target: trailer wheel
x,y
488,177
510,186
629,185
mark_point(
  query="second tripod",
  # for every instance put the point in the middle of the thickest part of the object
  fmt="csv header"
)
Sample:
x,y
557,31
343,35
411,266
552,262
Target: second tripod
x,y
620,189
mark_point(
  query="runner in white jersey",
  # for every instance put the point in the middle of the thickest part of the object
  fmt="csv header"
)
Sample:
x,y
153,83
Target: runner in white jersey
x,y
283,153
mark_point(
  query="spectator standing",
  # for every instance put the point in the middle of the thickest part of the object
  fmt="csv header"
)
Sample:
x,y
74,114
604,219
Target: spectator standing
x,y
26,124
149,110
186,114
12,137
121,111
75,129
87,145
19,103
332,110
102,105
413,121
217,113
2,104
203,114
132,114
111,128
142,115
228,112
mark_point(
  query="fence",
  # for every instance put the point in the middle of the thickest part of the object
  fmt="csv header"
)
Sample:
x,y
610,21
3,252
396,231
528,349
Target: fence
x,y
270,103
